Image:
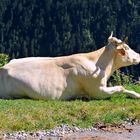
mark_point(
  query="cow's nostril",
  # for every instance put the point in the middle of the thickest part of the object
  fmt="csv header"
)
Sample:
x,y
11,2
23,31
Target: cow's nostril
x,y
136,61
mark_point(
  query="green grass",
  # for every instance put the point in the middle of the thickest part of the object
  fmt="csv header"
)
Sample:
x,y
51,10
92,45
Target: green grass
x,y
31,115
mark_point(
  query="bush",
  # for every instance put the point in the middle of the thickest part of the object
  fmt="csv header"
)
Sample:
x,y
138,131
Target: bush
x,y
120,78
3,59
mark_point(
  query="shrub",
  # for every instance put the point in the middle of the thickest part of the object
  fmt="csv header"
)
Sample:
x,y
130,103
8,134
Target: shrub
x,y
3,59
120,78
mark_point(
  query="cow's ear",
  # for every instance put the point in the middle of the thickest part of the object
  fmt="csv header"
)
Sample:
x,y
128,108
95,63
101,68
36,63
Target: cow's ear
x,y
121,50
126,40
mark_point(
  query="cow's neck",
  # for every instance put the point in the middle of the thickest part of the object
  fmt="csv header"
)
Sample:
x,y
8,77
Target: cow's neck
x,y
105,59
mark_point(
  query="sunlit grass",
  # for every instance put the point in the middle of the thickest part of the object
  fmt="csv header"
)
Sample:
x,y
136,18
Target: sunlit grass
x,y
31,115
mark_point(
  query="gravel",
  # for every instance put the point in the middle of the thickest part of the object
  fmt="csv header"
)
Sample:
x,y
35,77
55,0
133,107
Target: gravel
x,y
57,133
65,132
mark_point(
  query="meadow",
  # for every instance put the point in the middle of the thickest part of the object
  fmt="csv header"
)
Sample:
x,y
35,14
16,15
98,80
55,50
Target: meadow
x,y
32,115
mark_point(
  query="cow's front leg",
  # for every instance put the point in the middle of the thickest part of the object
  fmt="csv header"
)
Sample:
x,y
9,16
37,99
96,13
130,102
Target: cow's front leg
x,y
109,91
132,94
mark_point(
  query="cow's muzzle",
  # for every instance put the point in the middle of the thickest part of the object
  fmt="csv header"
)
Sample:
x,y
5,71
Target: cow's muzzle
x,y
136,60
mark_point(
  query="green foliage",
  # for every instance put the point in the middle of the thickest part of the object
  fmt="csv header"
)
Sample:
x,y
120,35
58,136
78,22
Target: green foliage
x,y
3,59
120,78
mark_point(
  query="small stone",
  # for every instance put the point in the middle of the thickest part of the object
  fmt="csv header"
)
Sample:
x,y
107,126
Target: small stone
x,y
31,134
93,129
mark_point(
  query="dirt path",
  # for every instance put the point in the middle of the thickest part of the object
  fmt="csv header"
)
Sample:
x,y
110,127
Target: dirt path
x,y
108,133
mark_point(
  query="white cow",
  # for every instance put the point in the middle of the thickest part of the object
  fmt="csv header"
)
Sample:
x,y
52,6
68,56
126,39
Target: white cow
x,y
68,77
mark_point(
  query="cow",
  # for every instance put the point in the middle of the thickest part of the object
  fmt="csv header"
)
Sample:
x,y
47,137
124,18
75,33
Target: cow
x,y
68,77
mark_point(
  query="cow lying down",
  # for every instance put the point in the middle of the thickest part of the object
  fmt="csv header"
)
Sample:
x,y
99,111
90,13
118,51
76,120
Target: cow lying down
x,y
68,77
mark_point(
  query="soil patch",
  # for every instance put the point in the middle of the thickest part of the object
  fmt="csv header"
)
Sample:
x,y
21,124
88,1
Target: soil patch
x,y
108,132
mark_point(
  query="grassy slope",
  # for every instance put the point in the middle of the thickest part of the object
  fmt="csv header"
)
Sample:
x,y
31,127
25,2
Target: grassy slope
x,y
35,115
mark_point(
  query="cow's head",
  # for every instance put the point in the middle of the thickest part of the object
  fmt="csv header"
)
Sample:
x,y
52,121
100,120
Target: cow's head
x,y
125,56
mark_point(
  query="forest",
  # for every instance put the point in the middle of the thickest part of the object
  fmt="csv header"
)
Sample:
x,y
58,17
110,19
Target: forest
x,y
64,27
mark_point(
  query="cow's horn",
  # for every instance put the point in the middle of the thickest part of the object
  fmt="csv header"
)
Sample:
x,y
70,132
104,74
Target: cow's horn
x,y
111,35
